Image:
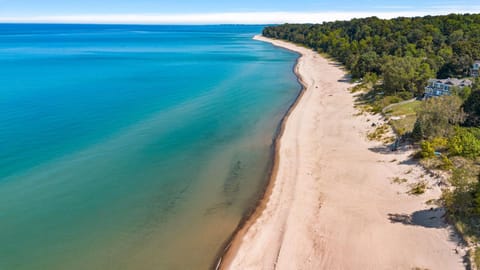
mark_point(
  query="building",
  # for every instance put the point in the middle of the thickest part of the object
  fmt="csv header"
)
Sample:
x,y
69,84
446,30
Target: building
x,y
475,68
439,87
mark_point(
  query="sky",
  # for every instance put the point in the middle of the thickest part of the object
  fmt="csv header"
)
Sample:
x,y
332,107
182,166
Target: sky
x,y
221,11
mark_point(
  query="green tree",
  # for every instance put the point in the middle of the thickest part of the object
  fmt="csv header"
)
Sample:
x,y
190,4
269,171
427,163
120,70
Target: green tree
x,y
472,108
367,62
417,132
464,143
405,74
437,117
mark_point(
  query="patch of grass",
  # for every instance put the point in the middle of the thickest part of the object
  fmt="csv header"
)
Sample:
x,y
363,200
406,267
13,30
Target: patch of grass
x,y
418,188
388,140
430,163
407,113
404,125
379,133
398,180
447,164
409,108
476,257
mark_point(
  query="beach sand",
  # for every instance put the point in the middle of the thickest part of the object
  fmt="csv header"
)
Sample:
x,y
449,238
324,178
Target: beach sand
x,y
331,203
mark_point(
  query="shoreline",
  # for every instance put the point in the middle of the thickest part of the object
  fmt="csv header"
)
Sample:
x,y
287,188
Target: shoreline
x,y
228,251
303,221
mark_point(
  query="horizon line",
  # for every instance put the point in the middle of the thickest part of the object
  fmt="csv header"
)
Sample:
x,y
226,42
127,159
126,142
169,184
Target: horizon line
x,y
245,18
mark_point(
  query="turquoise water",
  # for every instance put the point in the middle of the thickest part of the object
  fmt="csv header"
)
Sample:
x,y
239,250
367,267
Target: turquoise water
x,y
133,147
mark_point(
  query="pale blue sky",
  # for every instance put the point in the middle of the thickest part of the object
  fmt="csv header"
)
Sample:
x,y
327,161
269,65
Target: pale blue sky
x,y
87,10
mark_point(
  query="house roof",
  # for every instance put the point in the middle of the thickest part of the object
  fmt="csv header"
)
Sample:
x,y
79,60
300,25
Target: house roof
x,y
452,81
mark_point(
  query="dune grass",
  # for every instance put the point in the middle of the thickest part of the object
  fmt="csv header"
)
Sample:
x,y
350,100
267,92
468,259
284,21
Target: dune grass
x,y
407,113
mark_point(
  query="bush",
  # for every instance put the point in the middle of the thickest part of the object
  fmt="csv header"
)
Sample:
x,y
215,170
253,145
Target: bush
x,y
371,78
417,132
472,108
418,188
405,95
464,144
447,164
477,199
439,143
476,257
427,150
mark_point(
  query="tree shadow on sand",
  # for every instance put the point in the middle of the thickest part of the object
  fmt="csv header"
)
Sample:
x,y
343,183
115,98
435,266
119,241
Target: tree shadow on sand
x,y
347,78
432,218
389,149
428,218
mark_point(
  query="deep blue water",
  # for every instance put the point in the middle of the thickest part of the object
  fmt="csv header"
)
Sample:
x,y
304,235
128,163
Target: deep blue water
x,y
133,147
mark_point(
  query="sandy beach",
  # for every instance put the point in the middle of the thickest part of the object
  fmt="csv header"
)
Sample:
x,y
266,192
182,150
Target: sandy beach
x,y
331,203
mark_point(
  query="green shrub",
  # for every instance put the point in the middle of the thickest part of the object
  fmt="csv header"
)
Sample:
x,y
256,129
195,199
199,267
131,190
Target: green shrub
x,y
371,78
476,257
447,164
464,144
477,199
427,150
398,180
439,143
417,132
405,95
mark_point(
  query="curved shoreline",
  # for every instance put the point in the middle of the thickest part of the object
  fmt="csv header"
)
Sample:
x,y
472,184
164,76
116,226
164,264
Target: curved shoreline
x,y
228,251
331,195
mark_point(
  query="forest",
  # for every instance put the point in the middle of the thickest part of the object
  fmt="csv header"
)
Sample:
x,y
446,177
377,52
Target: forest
x,y
406,52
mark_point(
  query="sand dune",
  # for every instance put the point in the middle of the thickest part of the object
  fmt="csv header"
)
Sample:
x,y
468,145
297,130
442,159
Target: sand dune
x,y
332,204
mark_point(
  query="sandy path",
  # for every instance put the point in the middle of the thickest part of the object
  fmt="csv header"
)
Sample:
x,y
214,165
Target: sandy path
x,y
332,205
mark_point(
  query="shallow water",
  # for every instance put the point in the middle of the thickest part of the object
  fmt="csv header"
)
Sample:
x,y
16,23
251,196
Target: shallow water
x,y
133,147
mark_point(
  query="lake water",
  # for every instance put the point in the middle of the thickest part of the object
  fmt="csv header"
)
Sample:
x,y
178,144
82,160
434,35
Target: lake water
x,y
133,147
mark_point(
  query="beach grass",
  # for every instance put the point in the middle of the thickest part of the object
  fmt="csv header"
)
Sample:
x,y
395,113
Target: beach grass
x,y
418,188
405,115
409,108
476,256
398,180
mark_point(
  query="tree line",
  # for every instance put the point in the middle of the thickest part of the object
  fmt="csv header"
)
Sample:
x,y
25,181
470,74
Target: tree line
x,y
405,52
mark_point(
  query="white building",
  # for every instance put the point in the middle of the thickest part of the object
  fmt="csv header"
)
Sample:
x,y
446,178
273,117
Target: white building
x,y
475,68
439,87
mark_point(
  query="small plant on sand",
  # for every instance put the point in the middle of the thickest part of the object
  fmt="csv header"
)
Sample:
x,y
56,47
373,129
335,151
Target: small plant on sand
x,y
418,188
389,139
378,133
432,202
409,171
398,180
